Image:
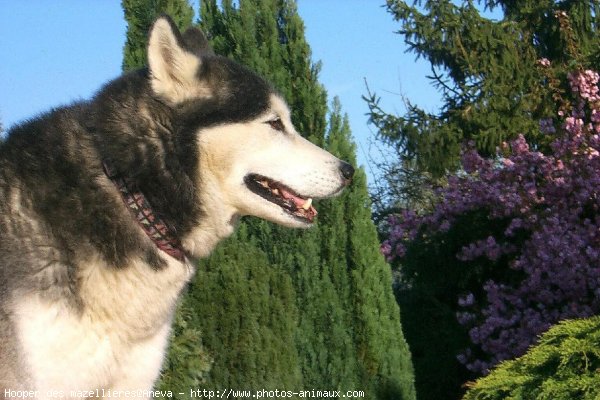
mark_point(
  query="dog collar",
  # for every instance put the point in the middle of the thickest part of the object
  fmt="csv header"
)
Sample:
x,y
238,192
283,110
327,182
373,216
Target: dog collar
x,y
157,230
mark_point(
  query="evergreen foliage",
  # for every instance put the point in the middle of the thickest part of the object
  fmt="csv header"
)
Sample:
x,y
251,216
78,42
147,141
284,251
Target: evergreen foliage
x,y
287,309
483,70
246,308
140,14
187,362
384,365
563,366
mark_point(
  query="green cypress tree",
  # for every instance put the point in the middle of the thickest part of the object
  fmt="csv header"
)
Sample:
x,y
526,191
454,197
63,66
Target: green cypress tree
x,y
383,356
249,35
340,333
140,14
281,308
246,308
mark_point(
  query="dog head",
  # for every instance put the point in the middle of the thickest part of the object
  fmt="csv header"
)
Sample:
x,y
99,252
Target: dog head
x,y
251,160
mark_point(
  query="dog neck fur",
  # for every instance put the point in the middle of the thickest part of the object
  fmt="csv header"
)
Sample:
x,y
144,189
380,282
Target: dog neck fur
x,y
212,229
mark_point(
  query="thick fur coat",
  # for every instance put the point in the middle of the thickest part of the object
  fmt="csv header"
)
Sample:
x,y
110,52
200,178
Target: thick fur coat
x,y
86,297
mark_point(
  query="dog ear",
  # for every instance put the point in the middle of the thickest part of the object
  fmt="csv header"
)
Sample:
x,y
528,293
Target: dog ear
x,y
196,42
173,68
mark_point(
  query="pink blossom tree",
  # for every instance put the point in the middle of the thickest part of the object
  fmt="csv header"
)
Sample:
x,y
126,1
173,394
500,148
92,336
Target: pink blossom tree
x,y
537,260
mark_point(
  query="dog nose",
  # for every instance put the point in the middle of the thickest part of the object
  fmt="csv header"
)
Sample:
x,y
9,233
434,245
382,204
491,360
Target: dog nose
x,y
347,171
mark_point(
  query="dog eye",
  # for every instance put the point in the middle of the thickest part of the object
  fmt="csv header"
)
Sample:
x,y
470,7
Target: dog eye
x,y
276,124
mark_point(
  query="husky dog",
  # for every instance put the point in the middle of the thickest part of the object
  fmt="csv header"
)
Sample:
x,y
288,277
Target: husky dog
x,y
105,205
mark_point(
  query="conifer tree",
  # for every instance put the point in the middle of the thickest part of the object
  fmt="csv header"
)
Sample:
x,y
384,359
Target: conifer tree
x,y
373,307
485,71
291,309
332,340
140,14
562,366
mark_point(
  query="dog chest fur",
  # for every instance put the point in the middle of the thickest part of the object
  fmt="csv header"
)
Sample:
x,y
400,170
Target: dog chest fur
x,y
117,340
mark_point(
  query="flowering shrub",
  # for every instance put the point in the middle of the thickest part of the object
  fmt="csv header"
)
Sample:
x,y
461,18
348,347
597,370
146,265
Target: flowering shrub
x,y
543,211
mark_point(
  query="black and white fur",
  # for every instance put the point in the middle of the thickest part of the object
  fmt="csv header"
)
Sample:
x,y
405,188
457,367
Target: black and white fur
x,y
86,298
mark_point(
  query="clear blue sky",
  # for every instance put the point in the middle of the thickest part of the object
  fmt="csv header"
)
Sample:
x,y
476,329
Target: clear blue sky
x,y
55,52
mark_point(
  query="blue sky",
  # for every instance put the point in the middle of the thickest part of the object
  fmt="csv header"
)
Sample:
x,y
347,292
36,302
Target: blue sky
x,y
55,52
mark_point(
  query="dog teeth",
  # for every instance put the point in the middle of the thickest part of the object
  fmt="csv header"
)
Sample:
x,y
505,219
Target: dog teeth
x,y
275,192
307,204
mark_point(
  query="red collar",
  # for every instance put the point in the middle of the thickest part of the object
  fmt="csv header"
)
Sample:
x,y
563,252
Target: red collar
x,y
157,230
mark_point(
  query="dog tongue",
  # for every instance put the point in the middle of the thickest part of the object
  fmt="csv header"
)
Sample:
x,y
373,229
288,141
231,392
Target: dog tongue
x,y
300,203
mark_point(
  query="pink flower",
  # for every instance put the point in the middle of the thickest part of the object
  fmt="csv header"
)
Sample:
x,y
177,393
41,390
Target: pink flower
x,y
544,62
519,145
573,125
507,162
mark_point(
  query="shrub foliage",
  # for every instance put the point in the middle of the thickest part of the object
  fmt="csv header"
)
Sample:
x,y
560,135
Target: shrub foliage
x,y
563,366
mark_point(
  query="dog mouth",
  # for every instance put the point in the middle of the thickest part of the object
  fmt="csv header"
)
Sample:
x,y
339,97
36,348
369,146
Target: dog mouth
x,y
277,193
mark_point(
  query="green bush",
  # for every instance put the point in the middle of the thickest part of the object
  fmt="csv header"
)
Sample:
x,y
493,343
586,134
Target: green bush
x,y
275,308
564,365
